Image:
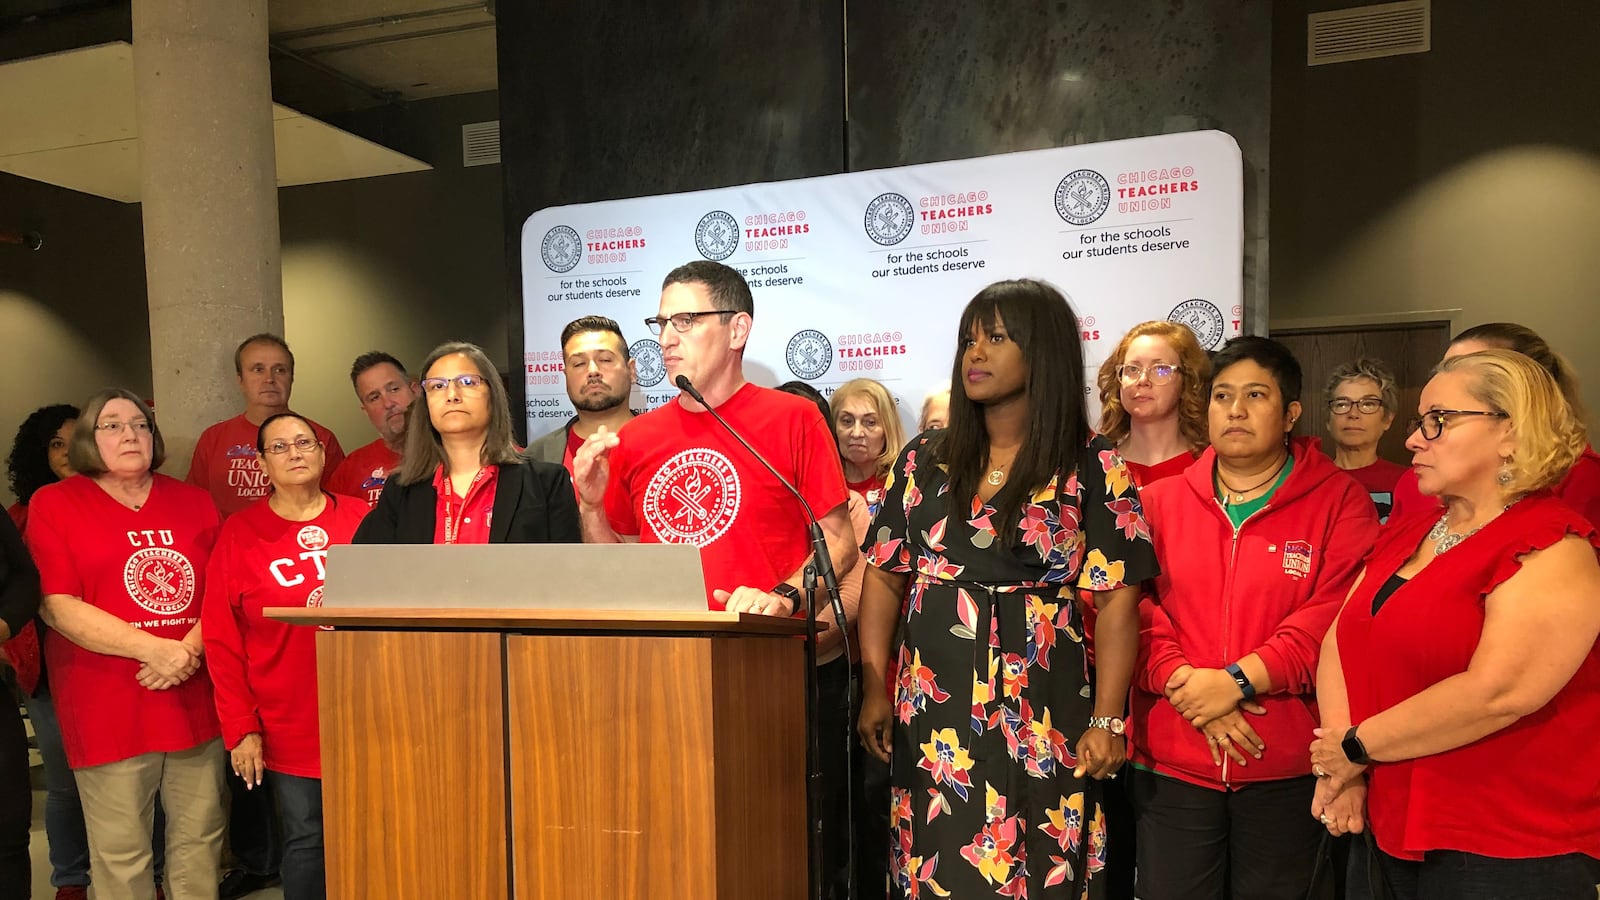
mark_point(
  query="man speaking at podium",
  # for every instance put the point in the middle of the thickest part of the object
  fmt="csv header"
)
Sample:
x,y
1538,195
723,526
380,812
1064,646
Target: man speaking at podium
x,y
676,476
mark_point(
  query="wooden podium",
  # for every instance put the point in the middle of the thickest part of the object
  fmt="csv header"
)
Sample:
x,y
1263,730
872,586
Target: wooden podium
x,y
523,753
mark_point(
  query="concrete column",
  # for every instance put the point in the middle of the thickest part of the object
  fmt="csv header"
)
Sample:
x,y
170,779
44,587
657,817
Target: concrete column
x,y
208,185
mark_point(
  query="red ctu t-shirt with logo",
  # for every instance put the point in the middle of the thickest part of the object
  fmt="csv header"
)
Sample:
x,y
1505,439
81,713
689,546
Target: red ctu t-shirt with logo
x,y
265,671
145,567
224,463
364,472
678,477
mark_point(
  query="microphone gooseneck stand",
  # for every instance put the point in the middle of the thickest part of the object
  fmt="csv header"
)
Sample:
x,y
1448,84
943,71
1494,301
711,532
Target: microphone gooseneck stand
x,y
820,566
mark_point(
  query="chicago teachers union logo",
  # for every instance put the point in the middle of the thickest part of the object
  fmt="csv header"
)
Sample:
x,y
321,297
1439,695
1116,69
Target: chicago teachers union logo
x,y
1082,197
561,249
160,580
693,498
889,218
717,235
1203,318
809,354
647,360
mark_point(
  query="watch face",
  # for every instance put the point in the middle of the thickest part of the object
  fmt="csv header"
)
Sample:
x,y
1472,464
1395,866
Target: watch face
x,y
1353,749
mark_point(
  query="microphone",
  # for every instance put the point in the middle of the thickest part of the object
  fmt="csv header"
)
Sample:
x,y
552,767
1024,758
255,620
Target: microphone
x,y
823,567
824,561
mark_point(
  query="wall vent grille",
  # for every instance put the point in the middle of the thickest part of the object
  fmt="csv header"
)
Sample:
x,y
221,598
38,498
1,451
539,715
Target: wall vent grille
x,y
480,144
1368,32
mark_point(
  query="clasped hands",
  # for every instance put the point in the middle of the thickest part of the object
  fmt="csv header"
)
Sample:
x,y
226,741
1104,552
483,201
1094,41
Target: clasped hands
x,y
1340,799
168,663
1210,700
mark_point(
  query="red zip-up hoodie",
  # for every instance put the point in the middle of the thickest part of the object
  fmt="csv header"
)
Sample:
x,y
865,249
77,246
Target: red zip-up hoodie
x,y
1271,588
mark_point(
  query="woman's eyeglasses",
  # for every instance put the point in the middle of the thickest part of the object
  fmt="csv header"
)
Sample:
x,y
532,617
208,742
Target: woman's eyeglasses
x,y
1367,405
1160,373
1432,422
303,444
467,383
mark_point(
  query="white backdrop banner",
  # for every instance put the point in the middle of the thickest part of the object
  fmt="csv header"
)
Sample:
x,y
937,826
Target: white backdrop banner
x,y
864,275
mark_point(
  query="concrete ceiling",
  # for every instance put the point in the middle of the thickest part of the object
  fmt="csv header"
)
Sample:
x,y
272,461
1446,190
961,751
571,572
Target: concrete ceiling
x,y
68,119
386,50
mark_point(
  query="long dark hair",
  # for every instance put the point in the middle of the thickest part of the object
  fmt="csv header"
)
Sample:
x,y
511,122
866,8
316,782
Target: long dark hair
x,y
424,450
1040,321
29,463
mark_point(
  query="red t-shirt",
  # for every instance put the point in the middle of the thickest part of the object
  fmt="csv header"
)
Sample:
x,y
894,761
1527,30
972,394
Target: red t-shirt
x,y
871,491
1530,789
145,567
224,463
364,472
466,520
22,650
265,671
1144,476
573,443
1379,480
678,477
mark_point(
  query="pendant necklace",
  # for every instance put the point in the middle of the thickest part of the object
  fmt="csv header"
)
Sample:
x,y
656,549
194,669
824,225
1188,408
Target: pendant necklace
x,y
1232,495
1443,538
997,475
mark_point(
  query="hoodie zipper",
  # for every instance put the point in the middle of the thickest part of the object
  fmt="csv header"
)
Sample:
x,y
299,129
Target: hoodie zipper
x,y
1227,604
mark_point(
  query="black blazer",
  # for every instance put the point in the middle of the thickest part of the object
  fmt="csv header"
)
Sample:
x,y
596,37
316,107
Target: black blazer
x,y
533,504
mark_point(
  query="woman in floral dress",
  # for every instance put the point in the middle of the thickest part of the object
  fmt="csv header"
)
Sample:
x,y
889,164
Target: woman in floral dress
x,y
996,733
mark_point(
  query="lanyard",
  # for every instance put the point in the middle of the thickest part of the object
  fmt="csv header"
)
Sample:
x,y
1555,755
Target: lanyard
x,y
452,528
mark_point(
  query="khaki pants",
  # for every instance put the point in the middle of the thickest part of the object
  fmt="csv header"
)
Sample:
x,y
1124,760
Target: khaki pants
x,y
119,810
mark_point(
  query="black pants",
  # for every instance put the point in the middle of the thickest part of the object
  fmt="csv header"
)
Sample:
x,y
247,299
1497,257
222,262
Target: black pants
x,y
16,799
1122,835
833,730
1258,842
1452,875
253,828
872,825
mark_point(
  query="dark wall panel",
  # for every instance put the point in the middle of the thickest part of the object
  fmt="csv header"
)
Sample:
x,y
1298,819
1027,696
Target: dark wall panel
x,y
942,79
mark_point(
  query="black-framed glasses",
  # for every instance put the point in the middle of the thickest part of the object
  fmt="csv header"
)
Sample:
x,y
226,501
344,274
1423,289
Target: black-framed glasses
x,y
683,321
468,383
1367,405
1160,373
1432,422
303,444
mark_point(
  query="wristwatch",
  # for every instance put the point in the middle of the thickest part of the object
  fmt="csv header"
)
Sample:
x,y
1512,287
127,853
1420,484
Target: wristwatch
x,y
785,589
1108,723
1354,750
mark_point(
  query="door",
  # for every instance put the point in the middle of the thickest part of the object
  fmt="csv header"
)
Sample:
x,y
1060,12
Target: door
x,y
1410,351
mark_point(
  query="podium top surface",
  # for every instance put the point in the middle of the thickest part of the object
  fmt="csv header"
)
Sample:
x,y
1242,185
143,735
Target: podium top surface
x,y
546,620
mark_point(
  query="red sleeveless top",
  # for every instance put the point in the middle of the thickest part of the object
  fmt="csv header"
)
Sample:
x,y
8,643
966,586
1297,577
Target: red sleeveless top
x,y
1529,790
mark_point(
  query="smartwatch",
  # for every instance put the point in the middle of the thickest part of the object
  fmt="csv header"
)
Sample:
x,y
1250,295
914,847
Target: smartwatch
x,y
785,589
1354,750
1242,680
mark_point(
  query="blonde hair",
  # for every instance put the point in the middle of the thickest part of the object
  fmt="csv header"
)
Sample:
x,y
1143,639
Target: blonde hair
x,y
942,392
1549,436
1193,364
893,436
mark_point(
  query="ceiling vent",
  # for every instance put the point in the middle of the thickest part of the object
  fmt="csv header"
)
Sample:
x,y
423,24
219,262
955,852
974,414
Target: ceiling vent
x,y
480,144
1368,32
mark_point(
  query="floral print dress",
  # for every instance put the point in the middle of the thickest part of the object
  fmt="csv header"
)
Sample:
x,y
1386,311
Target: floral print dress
x,y
994,688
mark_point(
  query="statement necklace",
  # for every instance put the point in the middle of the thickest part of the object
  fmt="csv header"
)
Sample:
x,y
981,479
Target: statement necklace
x,y
1443,538
1232,495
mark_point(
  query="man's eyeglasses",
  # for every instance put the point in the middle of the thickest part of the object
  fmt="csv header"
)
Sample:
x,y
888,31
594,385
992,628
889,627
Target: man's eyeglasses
x,y
303,444
467,383
682,321
1432,422
139,426
1367,405
1160,373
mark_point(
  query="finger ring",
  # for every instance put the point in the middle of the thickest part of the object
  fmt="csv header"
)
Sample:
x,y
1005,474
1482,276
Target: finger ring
x,y
1112,775
1319,771
1323,818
